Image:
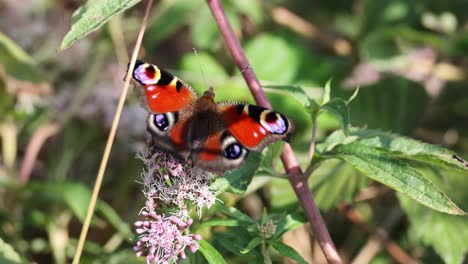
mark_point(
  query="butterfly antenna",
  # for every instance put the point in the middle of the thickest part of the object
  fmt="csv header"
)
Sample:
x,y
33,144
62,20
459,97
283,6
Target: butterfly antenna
x,y
200,66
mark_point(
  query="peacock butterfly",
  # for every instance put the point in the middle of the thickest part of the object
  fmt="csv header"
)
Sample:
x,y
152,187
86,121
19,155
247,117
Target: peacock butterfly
x,y
213,136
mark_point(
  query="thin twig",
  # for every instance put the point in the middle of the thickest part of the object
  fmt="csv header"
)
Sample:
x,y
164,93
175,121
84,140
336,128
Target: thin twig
x,y
110,140
61,117
32,150
290,162
378,238
303,27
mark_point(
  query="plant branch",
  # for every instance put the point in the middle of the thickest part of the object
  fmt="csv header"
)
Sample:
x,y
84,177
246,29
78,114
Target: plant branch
x,y
312,140
110,140
291,165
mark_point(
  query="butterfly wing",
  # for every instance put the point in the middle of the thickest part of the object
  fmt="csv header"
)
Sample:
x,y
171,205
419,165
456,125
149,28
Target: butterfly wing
x,y
160,91
253,126
169,102
237,129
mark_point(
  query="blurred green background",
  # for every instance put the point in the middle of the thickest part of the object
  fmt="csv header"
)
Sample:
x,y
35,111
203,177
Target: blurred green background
x,y
56,108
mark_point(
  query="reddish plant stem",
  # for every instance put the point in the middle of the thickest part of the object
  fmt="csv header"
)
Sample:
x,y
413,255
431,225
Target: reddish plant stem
x,y
33,148
291,165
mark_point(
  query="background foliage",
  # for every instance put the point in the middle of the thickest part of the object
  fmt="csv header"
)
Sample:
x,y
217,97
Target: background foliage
x,y
408,57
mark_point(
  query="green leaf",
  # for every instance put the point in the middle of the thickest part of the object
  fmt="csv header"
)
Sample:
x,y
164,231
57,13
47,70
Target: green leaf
x,y
77,196
203,71
7,254
453,229
286,63
269,155
204,30
114,219
252,9
251,245
17,62
298,92
335,181
287,251
218,222
234,213
326,93
288,223
339,108
210,253
403,147
92,16
383,167
353,96
395,104
234,240
237,180
162,23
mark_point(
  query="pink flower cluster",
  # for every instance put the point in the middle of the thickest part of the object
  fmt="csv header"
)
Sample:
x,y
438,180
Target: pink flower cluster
x,y
163,239
174,183
176,186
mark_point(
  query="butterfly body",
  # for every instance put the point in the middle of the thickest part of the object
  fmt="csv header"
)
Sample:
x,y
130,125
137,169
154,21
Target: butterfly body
x,y
213,136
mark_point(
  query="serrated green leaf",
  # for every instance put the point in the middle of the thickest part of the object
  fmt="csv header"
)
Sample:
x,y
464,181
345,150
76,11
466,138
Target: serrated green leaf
x,y
210,253
339,108
92,16
382,167
237,180
251,245
400,146
7,254
453,229
287,251
430,226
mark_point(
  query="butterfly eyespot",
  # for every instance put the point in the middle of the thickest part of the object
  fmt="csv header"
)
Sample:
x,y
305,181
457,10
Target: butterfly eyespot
x,y
233,151
161,122
146,74
274,122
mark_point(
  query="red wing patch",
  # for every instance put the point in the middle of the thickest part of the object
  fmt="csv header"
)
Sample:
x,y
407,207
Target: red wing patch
x,y
212,149
248,131
163,99
163,91
178,134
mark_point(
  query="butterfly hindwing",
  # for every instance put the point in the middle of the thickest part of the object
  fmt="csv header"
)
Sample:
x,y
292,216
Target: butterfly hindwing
x,y
254,126
169,133
220,152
